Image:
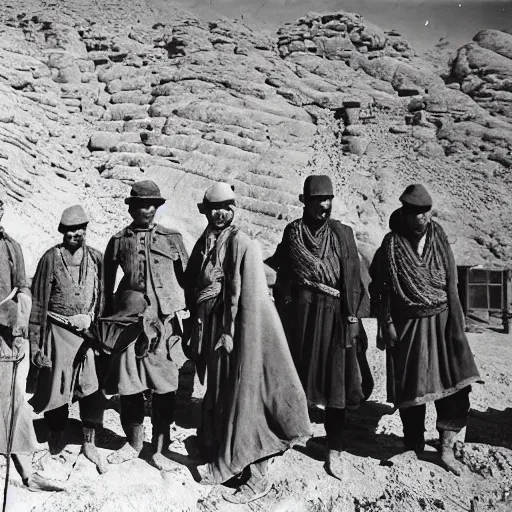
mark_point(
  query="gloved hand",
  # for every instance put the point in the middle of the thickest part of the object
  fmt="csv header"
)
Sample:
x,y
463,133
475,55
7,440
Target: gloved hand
x,y
225,341
80,322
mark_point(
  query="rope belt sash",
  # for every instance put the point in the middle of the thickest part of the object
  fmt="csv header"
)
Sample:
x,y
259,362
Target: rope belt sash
x,y
329,290
211,291
215,279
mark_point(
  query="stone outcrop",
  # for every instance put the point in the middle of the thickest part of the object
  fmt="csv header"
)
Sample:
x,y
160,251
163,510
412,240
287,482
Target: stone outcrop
x,y
96,103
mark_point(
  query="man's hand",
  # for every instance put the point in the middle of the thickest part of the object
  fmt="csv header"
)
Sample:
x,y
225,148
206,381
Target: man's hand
x,y
18,346
389,332
41,361
80,322
225,341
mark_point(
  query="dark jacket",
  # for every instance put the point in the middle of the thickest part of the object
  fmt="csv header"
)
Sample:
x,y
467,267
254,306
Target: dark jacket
x,y
355,301
168,261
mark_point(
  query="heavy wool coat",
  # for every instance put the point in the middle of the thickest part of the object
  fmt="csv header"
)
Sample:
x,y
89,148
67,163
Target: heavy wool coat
x,y
432,358
262,406
24,440
329,352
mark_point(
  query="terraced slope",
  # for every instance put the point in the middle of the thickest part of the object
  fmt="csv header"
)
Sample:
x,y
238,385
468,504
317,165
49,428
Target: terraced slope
x,y
96,96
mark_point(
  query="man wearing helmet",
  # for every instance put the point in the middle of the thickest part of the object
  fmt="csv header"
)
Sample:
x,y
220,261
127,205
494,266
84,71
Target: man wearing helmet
x,y
254,407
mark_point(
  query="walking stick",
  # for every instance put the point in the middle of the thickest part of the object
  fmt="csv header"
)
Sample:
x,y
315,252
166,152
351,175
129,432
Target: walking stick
x,y
15,360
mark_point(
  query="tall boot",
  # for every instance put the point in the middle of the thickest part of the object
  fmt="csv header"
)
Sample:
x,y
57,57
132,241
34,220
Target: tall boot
x,y
447,456
131,449
91,452
336,463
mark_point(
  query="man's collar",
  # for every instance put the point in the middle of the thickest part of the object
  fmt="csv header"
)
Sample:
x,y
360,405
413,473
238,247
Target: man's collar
x,y
135,229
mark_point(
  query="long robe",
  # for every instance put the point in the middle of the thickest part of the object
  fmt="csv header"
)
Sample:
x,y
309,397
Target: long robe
x,y
332,366
13,314
257,403
432,358
73,373
24,438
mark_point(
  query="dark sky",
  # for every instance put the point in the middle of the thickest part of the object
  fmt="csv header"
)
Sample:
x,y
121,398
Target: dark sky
x,y
456,20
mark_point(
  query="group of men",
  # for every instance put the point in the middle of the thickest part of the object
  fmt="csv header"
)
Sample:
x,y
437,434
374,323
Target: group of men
x,y
263,362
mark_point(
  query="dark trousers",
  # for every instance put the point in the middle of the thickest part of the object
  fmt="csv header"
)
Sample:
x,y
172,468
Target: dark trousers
x,y
91,413
334,423
162,409
452,414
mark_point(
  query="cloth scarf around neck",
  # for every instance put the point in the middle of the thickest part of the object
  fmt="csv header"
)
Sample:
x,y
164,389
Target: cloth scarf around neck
x,y
212,272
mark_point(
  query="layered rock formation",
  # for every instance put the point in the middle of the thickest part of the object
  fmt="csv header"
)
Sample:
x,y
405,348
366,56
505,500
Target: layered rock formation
x,y
95,99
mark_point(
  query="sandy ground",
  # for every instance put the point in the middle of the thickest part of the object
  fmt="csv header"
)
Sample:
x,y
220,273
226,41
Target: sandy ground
x,y
378,478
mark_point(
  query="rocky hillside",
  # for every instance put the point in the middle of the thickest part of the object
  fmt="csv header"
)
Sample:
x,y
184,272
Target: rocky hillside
x,y
95,96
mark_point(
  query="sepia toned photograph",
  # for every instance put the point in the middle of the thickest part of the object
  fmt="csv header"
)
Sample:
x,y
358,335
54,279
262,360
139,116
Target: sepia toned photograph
x,y
256,255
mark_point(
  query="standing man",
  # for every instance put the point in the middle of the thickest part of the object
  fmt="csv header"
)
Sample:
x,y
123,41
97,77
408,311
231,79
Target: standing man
x,y
421,324
68,295
15,304
144,328
254,407
320,297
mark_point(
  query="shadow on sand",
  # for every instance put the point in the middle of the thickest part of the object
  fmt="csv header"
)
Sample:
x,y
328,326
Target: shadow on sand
x,y
492,427
361,437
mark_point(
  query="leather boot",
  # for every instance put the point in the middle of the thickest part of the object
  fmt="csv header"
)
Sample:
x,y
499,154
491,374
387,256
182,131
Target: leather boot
x,y
160,442
91,452
131,449
447,456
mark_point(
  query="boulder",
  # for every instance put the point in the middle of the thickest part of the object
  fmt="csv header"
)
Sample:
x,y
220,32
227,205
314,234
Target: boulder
x,y
126,112
431,149
495,40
